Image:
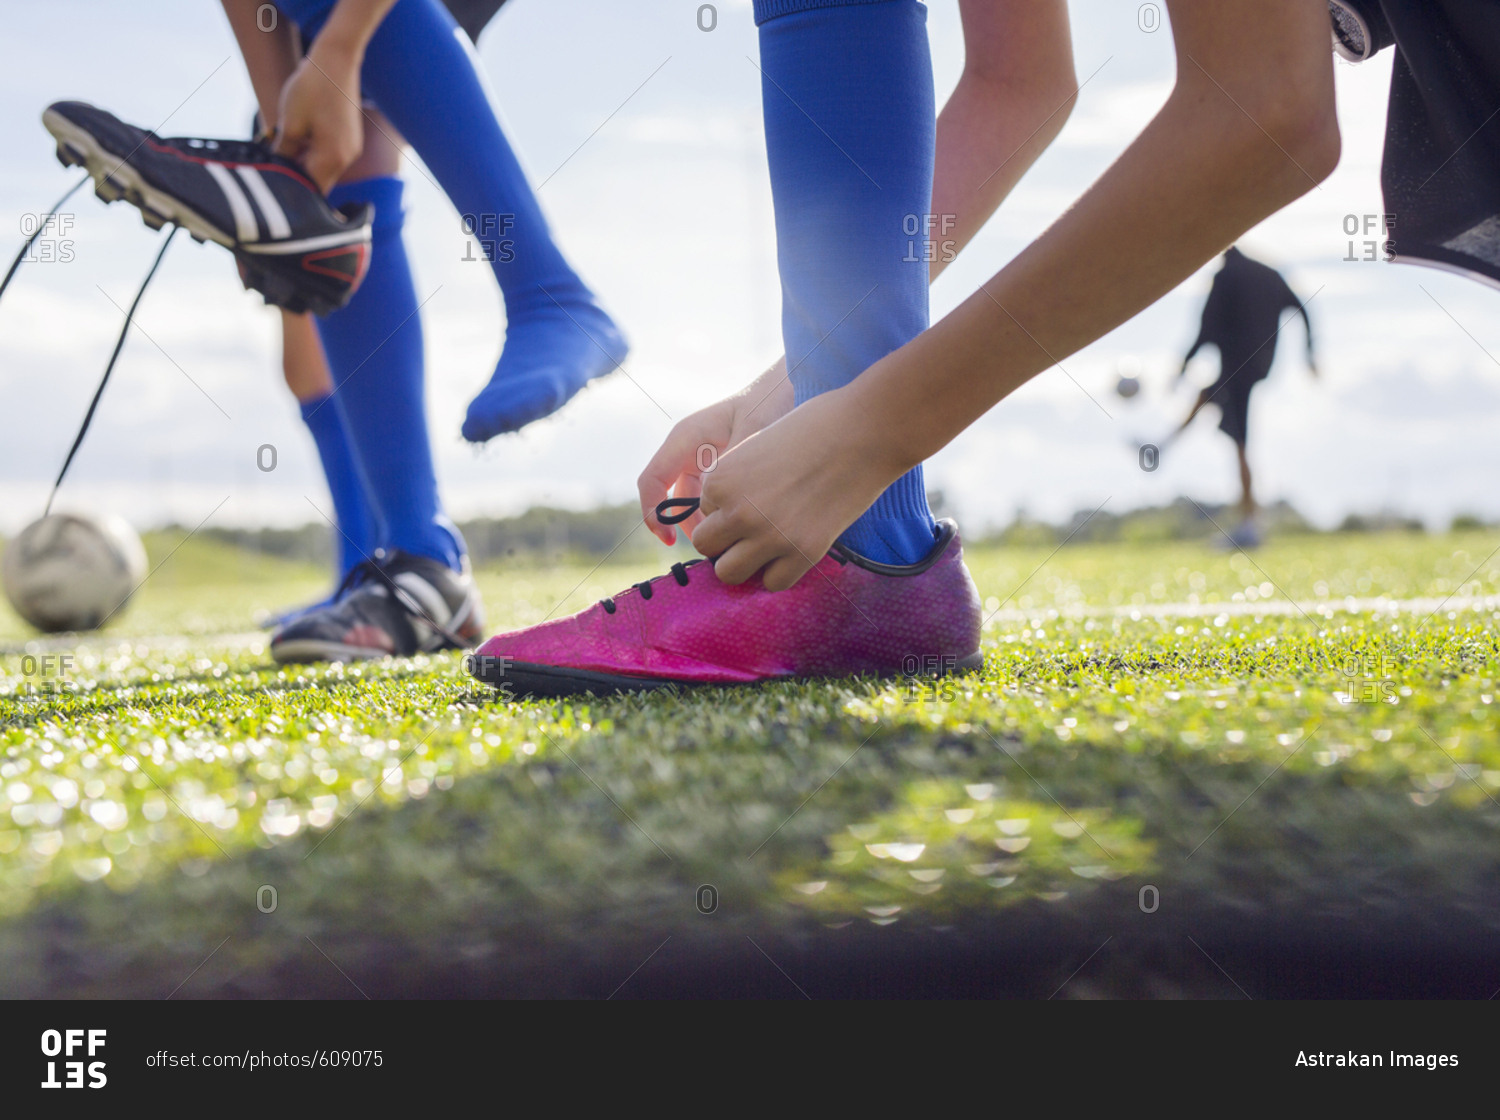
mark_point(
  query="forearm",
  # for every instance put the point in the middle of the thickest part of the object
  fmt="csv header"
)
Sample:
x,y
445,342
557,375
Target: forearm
x,y
1014,96
270,56
1202,173
351,25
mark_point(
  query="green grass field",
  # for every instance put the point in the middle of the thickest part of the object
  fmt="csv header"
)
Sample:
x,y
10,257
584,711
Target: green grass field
x,y
1182,772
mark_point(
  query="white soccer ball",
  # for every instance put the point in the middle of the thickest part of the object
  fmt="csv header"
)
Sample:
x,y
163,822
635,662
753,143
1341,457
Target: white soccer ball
x,y
72,572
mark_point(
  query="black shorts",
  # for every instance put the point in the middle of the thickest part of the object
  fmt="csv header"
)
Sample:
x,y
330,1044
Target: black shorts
x,y
473,15
1232,395
1441,167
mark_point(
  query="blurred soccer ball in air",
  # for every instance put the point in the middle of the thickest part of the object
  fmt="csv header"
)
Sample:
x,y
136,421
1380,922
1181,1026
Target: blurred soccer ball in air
x,y
72,572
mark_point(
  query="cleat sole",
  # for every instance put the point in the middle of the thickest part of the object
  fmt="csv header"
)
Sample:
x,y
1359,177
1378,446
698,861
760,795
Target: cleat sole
x,y
115,179
523,678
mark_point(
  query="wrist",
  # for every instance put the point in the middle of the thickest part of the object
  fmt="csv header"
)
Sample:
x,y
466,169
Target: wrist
x,y
338,50
889,446
759,404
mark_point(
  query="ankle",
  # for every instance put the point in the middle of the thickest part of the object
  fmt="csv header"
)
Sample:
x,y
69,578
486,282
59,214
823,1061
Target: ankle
x,y
549,301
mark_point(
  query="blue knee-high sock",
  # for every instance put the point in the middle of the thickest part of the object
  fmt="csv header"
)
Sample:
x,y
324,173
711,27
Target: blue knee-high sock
x,y
850,128
421,70
358,533
374,348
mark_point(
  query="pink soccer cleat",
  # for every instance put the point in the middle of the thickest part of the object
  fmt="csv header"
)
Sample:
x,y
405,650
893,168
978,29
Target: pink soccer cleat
x,y
846,617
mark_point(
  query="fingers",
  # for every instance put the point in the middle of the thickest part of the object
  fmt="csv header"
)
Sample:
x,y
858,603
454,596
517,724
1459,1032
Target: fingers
x,y
323,150
289,143
327,155
673,465
742,561
763,552
656,483
298,143
785,571
690,486
741,548
716,533
322,169
687,486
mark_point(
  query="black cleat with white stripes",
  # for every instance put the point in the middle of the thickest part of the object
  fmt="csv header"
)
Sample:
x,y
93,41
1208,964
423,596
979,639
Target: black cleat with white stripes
x,y
292,247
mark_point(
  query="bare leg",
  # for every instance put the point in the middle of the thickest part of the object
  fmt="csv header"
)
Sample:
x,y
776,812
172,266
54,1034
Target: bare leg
x,y
1247,497
1193,415
302,360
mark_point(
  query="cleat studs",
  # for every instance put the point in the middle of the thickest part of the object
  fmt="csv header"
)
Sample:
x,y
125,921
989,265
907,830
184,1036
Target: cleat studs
x,y
152,218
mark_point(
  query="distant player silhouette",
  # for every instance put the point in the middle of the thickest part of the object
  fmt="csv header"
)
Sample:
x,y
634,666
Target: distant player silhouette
x,y
1242,318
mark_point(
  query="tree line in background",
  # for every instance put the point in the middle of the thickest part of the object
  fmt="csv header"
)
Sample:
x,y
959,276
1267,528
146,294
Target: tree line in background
x,y
543,533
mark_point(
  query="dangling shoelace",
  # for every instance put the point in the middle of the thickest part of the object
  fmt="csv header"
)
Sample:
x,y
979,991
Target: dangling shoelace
x,y
678,572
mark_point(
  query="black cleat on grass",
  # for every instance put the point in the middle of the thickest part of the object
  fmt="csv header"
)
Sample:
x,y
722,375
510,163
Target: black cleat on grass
x,y
393,605
292,247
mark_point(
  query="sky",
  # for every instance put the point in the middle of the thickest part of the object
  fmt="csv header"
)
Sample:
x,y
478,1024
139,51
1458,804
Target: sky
x,y
642,135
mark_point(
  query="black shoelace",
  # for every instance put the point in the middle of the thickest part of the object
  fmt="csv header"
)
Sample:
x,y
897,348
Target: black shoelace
x,y
678,572
689,506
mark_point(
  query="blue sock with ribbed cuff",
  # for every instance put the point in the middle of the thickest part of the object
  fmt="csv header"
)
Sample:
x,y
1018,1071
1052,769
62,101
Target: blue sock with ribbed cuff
x,y
850,129
374,349
357,532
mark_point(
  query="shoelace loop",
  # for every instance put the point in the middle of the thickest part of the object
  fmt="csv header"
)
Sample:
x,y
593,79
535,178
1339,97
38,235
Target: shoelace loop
x,y
689,506
678,572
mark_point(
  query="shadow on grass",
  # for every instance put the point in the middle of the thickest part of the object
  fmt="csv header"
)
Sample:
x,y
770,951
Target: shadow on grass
x,y
900,863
